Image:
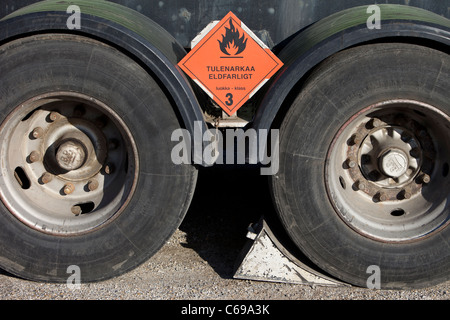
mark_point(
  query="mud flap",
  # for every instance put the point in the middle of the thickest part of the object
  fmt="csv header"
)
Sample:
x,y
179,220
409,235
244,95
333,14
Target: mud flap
x,y
264,258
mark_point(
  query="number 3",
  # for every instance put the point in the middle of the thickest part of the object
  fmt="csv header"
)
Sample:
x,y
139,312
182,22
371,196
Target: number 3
x,y
230,99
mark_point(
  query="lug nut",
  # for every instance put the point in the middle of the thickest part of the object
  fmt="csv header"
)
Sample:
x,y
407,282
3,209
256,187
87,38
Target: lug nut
x,y
76,210
46,178
68,188
351,163
381,196
37,132
361,185
405,194
34,156
92,185
109,168
376,123
54,116
425,178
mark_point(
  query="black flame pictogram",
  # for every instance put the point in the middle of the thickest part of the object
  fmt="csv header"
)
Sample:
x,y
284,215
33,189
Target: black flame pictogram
x,y
232,44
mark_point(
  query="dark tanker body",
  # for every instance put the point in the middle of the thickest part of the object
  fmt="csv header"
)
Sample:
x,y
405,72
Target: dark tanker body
x,y
274,21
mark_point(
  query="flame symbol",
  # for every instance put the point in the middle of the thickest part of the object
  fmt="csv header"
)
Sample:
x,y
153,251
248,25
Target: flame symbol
x,y
231,43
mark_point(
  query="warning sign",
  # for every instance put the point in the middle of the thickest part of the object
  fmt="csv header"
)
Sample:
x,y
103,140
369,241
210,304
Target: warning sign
x,y
230,63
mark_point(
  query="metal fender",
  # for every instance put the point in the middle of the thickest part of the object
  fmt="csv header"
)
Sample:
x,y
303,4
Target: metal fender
x,y
337,32
123,28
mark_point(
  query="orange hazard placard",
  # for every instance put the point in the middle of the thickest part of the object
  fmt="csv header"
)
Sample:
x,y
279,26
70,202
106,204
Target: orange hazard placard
x,y
230,63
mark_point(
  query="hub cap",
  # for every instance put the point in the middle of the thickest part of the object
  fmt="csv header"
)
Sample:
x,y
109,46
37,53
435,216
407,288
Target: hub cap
x,y
394,163
71,155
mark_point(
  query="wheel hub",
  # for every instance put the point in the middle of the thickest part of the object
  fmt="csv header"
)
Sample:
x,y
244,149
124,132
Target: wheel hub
x,y
62,179
384,172
389,158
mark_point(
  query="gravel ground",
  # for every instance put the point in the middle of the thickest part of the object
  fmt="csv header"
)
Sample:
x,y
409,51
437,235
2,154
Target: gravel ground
x,y
197,263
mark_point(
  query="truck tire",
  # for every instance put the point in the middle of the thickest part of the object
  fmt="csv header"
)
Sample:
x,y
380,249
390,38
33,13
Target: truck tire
x,y
87,183
363,186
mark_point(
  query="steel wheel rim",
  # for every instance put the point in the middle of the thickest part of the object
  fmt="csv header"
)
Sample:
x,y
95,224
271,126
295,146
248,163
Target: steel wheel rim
x,y
386,173
69,164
